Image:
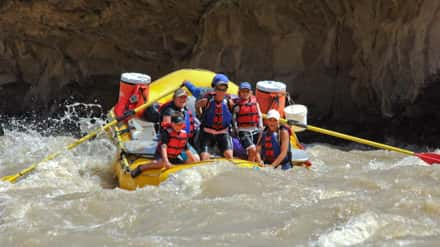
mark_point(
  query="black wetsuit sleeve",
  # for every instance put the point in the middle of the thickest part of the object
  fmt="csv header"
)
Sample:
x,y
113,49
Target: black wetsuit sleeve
x,y
167,112
164,137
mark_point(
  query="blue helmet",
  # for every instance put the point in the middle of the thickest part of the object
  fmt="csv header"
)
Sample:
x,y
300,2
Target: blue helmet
x,y
245,85
220,78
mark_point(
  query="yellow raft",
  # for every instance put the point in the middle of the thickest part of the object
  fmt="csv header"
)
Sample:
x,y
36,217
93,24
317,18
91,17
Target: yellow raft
x,y
126,162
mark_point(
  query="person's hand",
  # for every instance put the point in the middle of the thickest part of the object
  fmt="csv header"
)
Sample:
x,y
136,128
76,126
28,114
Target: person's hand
x,y
168,165
184,83
274,166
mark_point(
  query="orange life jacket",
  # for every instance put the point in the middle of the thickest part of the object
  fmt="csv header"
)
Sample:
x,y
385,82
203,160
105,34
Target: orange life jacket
x,y
247,115
176,142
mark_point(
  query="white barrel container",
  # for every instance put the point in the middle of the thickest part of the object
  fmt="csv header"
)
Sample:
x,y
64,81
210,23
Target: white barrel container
x,y
298,113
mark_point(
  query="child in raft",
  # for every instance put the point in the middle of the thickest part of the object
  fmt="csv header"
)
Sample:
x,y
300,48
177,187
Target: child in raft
x,y
247,120
173,140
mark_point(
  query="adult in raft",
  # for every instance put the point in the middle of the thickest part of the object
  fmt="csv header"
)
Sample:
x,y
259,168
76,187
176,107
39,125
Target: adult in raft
x,y
173,141
178,105
273,147
215,109
247,119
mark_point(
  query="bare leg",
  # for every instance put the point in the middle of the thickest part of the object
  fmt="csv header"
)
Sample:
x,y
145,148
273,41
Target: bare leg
x,y
252,153
192,158
228,154
204,156
157,164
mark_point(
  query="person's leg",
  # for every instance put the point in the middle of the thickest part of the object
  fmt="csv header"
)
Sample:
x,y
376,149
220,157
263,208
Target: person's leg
x,y
155,164
194,157
246,140
252,153
286,165
205,140
224,141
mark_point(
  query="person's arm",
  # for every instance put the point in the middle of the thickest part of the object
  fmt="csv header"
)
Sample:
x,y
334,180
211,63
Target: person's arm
x,y
195,91
200,105
260,117
163,149
284,148
258,156
234,120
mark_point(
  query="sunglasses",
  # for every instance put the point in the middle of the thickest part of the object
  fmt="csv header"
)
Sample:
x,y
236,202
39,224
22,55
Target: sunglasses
x,y
221,89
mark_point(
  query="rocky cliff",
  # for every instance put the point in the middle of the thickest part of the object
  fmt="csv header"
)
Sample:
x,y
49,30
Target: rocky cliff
x,y
367,63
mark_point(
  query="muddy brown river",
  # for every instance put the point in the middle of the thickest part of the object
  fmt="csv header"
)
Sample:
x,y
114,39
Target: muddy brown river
x,y
364,198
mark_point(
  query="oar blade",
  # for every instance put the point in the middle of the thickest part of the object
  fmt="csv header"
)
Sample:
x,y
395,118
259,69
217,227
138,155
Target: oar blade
x,y
430,158
10,178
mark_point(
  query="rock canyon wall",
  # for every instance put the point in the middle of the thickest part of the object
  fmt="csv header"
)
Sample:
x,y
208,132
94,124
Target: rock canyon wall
x,y
365,64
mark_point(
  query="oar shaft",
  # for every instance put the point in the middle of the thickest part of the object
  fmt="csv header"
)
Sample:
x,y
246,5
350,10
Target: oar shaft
x,y
357,139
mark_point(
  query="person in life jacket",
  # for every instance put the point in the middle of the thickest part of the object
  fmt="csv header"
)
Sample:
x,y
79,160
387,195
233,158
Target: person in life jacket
x,y
178,105
215,109
247,119
273,147
133,92
173,141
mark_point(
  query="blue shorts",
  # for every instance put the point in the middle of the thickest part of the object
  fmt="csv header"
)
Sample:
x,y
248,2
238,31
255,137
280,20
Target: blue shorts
x,y
183,153
286,166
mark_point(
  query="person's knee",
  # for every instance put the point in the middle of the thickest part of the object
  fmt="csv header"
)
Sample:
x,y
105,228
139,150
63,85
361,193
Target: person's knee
x,y
196,158
228,154
204,156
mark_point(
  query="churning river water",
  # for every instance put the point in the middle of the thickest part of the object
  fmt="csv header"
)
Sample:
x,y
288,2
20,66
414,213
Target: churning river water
x,y
366,198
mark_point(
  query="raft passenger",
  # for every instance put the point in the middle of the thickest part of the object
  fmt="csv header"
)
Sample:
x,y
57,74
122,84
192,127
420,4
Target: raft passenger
x,y
273,147
178,104
173,141
247,119
216,116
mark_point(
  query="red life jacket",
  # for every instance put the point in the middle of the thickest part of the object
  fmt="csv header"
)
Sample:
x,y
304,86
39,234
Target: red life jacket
x,y
176,142
137,99
247,115
190,124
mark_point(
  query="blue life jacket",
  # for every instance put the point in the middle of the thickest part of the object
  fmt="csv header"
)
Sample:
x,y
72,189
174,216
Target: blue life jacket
x,y
217,115
271,148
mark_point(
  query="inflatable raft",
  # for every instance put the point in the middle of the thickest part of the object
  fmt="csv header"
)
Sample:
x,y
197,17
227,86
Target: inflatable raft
x,y
137,141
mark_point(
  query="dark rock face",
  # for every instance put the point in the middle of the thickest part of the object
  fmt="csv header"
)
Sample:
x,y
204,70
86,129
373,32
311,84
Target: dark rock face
x,y
363,63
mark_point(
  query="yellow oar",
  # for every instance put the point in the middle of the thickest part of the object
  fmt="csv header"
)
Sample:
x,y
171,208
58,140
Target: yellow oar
x,y
14,177
429,158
